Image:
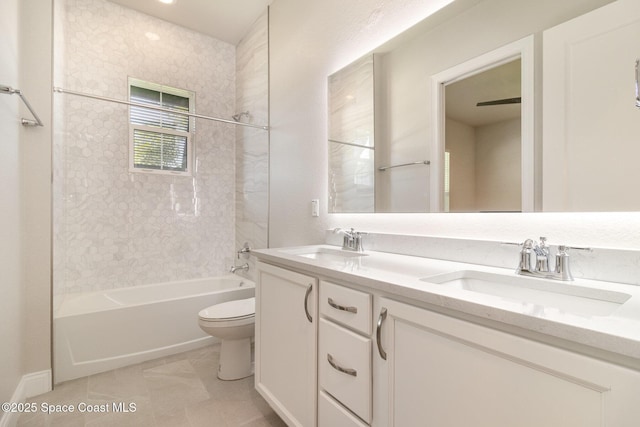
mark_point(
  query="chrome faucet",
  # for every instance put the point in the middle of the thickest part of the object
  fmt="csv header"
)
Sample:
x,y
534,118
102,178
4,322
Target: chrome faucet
x,y
243,267
540,268
244,250
352,240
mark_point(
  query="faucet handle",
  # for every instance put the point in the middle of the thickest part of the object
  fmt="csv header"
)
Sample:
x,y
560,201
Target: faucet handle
x,y
352,239
358,240
525,256
245,249
562,263
339,230
562,260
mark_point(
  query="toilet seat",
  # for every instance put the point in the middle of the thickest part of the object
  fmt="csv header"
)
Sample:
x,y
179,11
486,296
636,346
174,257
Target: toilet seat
x,y
237,310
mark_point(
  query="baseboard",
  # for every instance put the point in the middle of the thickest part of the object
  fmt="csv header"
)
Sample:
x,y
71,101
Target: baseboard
x,y
30,385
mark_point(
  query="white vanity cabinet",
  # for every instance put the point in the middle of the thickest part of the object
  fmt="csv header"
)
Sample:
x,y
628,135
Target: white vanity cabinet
x,y
443,371
371,358
286,325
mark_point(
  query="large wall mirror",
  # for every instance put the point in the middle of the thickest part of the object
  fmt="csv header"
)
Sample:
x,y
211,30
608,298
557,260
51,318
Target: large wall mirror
x,y
447,117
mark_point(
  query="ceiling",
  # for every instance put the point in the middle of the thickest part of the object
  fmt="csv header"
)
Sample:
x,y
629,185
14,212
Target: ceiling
x,y
500,82
226,20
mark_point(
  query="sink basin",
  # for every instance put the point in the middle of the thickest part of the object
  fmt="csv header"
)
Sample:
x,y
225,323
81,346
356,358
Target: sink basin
x,y
326,254
540,293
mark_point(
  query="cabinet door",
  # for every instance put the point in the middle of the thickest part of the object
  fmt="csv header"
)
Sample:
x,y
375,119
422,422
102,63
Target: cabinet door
x,y
286,343
443,371
590,119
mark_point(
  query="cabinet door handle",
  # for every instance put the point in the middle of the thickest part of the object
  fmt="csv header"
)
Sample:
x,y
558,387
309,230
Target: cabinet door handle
x,y
381,318
339,368
342,307
306,299
637,82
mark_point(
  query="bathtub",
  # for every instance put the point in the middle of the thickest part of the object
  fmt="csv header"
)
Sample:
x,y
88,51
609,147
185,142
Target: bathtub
x,y
99,331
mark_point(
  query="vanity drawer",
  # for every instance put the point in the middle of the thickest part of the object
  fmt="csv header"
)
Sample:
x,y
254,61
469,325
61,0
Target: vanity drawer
x,y
344,367
347,306
332,414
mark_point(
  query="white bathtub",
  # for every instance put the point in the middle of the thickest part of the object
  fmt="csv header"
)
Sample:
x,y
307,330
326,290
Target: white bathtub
x,y
100,331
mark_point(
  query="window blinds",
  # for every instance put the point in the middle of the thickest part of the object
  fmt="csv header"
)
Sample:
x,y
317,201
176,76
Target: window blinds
x,y
160,139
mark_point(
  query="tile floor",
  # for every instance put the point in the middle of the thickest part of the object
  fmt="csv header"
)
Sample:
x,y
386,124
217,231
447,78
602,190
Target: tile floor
x,y
176,391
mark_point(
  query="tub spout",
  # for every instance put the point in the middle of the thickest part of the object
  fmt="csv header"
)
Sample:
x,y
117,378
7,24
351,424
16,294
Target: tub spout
x,y
243,267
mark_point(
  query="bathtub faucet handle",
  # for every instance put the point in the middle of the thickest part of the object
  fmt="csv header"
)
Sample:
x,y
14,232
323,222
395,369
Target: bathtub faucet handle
x,y
245,249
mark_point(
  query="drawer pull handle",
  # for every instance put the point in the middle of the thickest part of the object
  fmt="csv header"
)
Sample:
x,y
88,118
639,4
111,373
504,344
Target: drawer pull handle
x,y
306,300
342,307
637,82
381,318
339,368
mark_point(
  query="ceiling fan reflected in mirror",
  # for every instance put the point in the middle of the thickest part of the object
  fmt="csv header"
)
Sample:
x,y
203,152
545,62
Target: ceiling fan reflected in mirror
x,y
517,100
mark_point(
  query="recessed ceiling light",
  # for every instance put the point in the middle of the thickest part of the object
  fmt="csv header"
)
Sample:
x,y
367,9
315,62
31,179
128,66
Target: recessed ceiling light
x,y
167,1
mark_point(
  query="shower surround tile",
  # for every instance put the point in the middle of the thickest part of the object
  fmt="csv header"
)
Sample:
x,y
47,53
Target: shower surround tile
x,y
114,228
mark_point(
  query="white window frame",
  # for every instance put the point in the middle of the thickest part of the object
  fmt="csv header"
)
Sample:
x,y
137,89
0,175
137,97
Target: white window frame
x,y
189,135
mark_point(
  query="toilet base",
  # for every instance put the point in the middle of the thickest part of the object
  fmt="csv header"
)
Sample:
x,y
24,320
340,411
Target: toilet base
x,y
235,359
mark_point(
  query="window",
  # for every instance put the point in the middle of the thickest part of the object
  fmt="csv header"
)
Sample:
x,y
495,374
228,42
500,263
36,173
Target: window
x,y
160,142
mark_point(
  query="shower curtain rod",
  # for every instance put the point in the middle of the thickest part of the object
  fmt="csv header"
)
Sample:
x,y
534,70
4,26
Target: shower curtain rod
x,y
150,107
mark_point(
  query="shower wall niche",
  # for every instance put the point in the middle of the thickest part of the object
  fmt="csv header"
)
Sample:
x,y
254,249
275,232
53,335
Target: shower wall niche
x,y
116,228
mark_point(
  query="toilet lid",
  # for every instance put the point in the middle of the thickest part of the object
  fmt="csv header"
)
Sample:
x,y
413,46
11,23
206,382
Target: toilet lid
x,y
237,309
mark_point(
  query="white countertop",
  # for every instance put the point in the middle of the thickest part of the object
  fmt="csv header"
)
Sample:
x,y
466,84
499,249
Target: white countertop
x,y
392,274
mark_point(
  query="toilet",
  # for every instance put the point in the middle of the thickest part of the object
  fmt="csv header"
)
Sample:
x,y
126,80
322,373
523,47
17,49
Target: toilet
x,y
232,322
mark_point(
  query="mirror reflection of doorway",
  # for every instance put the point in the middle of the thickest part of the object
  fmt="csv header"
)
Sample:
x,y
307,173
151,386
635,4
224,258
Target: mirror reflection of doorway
x,y
483,141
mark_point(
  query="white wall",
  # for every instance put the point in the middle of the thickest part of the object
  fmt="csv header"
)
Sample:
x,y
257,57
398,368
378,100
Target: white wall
x,y
25,64
12,289
36,81
498,166
310,40
461,144
401,128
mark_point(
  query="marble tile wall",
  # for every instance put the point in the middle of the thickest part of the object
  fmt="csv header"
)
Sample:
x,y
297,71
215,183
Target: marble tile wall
x,y
113,228
252,145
